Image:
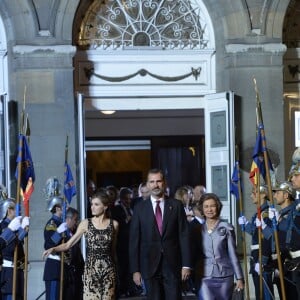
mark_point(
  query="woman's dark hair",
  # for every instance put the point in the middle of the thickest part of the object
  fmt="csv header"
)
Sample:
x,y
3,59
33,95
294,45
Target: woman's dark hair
x,y
102,195
104,198
209,196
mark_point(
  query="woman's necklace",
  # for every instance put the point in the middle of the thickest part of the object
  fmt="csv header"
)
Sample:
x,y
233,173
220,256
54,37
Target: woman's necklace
x,y
210,229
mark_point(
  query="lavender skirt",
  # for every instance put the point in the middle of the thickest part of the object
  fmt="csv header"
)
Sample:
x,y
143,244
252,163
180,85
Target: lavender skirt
x,y
216,288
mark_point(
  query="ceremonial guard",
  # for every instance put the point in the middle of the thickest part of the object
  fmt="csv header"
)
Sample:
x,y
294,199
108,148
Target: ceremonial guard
x,y
10,225
284,197
52,237
251,227
293,234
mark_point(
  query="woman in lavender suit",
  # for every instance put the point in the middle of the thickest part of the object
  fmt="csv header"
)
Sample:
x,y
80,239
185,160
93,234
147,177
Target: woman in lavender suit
x,y
215,251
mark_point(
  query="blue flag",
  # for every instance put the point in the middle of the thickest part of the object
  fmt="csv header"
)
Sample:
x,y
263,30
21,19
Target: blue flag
x,y
24,157
258,164
69,185
234,185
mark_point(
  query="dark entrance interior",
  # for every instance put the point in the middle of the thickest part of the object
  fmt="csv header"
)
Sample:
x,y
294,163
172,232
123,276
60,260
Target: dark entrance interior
x,y
182,158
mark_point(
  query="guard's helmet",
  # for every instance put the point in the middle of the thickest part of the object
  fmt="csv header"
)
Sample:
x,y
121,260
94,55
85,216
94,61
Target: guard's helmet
x,y
285,186
295,170
263,189
5,205
54,201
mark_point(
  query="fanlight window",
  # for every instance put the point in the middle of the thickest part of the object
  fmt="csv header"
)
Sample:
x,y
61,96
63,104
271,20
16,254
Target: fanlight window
x,y
131,24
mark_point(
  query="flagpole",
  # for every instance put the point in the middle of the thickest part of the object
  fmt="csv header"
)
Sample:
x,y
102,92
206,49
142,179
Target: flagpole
x,y
19,166
270,192
26,209
258,208
243,227
64,218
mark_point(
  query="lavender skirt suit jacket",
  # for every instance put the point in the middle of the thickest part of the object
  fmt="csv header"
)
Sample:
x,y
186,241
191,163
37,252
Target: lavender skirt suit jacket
x,y
217,261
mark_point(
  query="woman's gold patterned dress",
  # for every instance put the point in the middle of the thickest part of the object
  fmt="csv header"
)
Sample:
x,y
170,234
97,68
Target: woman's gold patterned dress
x,y
99,277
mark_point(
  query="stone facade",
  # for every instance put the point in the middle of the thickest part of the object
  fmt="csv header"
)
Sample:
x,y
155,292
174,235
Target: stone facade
x,y
40,49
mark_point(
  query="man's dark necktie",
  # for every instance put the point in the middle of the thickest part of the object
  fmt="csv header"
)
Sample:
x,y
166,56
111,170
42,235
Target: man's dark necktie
x,y
158,216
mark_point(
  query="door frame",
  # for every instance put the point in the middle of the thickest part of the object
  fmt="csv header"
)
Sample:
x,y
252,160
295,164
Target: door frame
x,y
218,107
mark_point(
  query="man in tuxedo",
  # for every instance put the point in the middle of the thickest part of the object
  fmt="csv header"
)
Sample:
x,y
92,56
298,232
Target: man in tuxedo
x,y
159,247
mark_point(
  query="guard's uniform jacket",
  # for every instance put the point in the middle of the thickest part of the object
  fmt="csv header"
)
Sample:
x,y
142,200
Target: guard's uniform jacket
x,y
282,226
52,265
266,244
293,245
8,261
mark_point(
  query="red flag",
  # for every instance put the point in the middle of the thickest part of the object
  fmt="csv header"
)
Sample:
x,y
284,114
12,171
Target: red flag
x,y
27,194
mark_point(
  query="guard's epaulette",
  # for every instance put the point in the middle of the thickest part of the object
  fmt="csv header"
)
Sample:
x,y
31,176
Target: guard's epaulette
x,y
265,214
285,216
51,226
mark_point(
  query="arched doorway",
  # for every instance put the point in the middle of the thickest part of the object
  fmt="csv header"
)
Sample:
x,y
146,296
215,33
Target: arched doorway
x,y
291,85
164,62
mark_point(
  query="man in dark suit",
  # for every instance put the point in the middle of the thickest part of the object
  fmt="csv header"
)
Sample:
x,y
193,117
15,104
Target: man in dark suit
x,y
159,247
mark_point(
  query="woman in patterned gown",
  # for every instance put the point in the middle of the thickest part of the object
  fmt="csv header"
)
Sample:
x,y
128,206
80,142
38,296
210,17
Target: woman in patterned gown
x,y
100,231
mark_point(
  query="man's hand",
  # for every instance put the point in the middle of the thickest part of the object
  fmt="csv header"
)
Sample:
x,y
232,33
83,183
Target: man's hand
x,y
62,227
185,274
15,223
137,278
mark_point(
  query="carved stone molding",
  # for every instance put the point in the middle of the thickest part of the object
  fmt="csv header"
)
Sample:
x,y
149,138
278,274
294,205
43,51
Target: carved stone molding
x,y
195,72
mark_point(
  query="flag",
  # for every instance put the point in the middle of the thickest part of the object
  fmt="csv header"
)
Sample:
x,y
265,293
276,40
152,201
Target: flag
x,y
69,185
235,178
24,157
258,164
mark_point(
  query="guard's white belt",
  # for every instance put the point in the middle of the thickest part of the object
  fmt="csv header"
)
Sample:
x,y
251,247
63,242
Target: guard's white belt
x,y
254,247
56,257
7,263
295,254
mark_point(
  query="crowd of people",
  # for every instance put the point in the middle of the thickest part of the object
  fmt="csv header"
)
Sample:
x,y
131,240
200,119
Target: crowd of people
x,y
151,244
148,243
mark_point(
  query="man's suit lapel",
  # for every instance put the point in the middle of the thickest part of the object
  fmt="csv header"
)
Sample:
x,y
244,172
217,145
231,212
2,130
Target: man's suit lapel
x,y
149,208
167,212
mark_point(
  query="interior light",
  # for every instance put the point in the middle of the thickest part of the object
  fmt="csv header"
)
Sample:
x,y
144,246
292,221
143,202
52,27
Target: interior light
x,y
107,112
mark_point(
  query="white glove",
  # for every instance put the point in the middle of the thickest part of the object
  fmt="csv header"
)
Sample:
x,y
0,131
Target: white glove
x,y
25,222
260,223
62,227
242,220
273,213
15,223
256,268
276,273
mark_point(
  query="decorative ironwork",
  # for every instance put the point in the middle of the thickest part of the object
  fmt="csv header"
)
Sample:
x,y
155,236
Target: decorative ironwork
x,y
89,72
130,24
